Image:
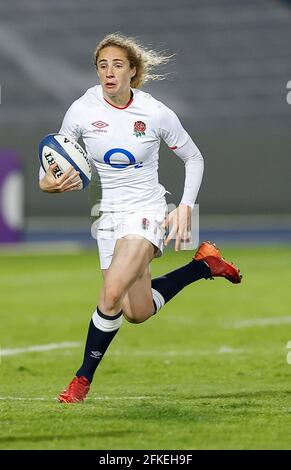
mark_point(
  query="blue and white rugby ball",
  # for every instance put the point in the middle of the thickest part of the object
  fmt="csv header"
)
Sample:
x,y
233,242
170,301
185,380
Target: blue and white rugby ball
x,y
59,149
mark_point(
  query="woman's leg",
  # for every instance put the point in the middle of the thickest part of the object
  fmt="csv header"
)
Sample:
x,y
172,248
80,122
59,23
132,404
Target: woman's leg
x,y
137,304
145,297
130,259
129,268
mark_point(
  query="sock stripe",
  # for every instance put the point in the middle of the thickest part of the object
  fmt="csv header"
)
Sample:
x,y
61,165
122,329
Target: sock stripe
x,y
107,324
158,299
109,317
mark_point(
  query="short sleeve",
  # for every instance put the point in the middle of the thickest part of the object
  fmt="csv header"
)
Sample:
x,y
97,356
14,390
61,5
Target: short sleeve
x,y
70,126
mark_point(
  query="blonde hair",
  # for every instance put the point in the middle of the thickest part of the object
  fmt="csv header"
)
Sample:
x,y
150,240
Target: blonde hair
x,y
145,60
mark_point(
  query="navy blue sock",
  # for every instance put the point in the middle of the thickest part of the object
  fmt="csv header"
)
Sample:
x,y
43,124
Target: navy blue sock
x,y
171,283
102,330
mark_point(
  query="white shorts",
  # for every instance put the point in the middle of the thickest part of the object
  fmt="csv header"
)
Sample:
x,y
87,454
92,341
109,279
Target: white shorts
x,y
145,222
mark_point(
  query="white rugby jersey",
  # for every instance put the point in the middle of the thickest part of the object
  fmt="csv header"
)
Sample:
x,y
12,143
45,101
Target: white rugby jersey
x,y
123,144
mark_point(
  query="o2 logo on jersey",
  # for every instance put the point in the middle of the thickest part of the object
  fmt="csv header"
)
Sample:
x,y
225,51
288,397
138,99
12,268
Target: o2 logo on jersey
x,y
131,159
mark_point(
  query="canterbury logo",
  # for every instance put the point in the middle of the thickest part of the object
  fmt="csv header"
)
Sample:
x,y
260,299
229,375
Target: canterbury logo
x,y
99,124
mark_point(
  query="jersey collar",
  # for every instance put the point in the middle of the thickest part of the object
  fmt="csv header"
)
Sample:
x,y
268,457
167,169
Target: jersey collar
x,y
121,107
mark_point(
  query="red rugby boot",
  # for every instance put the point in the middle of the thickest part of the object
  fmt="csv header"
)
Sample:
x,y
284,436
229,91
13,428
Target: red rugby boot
x,y
219,267
76,391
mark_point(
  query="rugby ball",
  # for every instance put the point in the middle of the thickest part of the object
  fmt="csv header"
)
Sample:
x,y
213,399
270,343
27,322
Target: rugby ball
x,y
64,151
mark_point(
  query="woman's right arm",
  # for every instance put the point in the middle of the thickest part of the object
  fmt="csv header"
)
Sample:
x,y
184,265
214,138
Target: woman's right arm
x,y
69,181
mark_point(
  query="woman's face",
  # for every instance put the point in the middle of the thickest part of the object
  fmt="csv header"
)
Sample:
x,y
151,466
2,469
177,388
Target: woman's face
x,y
114,71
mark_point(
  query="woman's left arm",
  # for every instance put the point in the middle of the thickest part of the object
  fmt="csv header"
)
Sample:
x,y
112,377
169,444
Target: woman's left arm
x,y
180,218
178,139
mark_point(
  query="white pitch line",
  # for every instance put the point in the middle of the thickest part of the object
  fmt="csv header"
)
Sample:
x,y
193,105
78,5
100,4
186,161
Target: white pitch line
x,y
181,353
150,353
262,322
24,399
39,348
91,398
9,398
229,350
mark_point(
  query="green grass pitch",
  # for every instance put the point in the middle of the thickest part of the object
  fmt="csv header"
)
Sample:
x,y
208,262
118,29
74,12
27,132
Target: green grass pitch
x,y
208,372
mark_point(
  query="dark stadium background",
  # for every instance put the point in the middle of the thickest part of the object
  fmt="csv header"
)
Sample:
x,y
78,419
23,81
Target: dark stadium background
x,y
212,369
227,83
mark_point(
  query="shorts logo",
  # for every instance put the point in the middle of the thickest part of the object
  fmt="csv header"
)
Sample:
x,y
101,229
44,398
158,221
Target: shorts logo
x,y
145,223
139,128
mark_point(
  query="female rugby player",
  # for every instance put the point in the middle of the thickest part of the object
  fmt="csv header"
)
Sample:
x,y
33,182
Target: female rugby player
x,y
121,128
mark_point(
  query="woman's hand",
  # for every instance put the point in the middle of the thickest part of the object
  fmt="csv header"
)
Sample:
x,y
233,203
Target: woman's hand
x,y
180,218
69,181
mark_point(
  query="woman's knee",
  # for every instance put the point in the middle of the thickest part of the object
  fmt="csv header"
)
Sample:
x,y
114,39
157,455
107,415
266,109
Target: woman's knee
x,y
135,315
112,295
135,319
